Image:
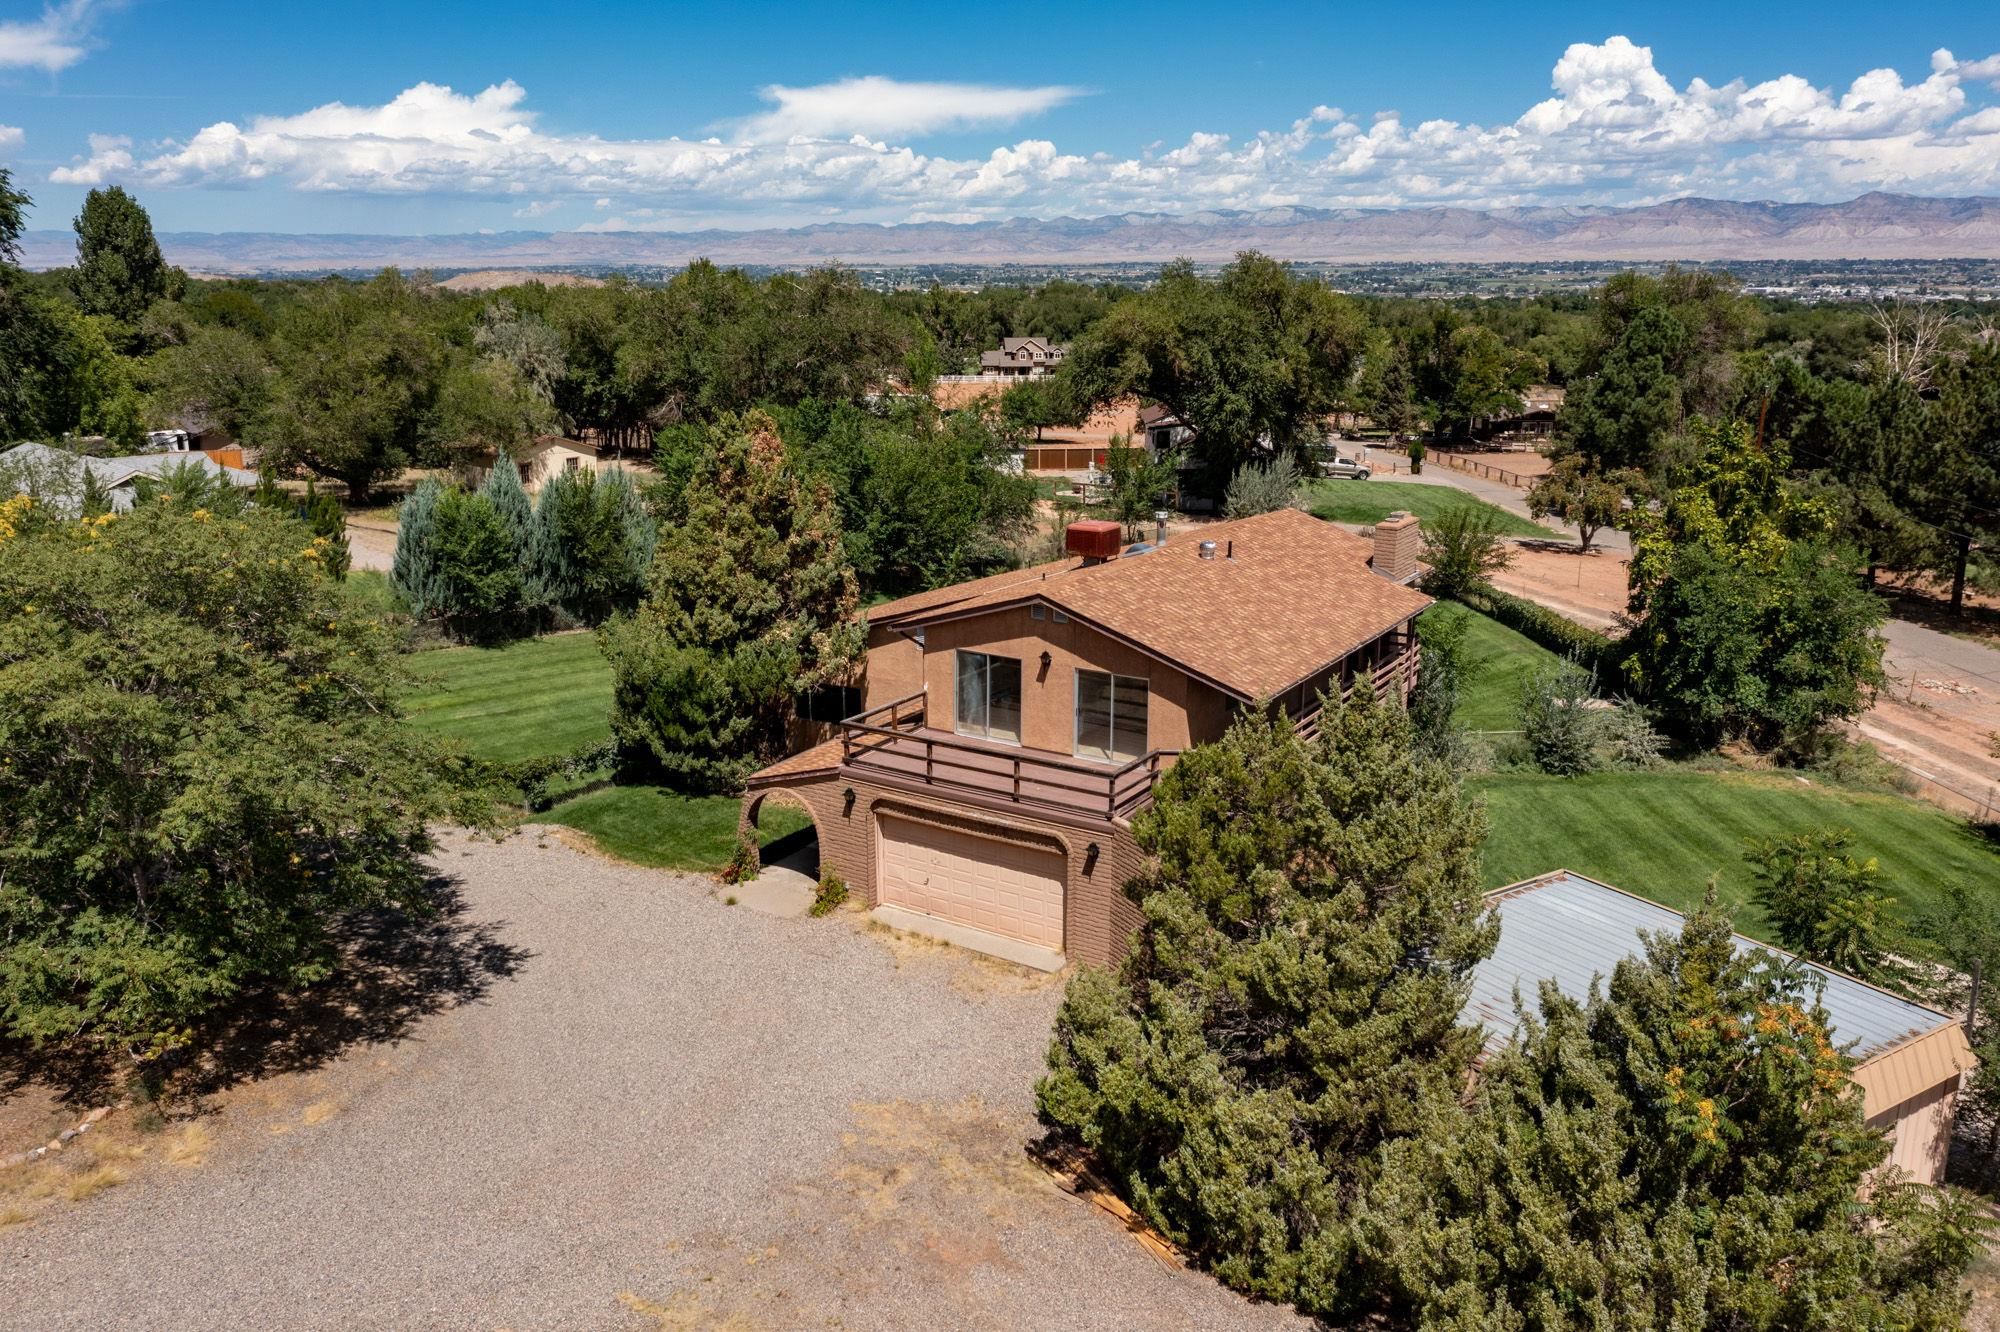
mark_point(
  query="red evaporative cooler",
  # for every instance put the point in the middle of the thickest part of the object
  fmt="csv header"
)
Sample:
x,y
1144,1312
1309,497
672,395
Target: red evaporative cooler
x,y
1093,539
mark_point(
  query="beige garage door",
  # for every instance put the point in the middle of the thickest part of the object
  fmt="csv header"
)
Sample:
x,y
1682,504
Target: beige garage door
x,y
1001,887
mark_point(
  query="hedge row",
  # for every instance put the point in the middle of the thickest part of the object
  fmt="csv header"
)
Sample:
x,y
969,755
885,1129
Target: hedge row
x,y
1592,650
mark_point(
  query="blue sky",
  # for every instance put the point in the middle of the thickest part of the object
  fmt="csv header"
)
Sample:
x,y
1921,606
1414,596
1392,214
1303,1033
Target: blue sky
x,y
442,117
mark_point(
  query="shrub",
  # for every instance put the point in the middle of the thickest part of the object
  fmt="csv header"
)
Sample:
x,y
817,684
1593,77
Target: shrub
x,y
1463,548
326,519
745,861
1416,457
1629,736
1262,488
831,894
1823,904
1557,721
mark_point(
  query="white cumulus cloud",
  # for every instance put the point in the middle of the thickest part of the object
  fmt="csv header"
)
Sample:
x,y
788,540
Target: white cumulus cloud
x,y
56,40
1614,129
11,136
888,108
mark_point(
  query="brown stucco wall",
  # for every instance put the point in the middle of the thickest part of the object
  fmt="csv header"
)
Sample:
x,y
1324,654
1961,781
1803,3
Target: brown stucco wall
x,y
895,667
1180,711
1098,918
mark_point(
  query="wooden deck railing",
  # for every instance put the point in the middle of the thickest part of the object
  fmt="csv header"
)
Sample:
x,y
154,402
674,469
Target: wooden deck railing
x,y
892,739
1398,674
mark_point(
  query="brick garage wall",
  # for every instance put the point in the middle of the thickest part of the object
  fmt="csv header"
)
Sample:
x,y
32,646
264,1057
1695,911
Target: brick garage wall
x,y
1098,918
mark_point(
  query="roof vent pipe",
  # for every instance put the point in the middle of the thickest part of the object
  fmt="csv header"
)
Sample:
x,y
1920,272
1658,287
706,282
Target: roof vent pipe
x,y
1207,549
1159,527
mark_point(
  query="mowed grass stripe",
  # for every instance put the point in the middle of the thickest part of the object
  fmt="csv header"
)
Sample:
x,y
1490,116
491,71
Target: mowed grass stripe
x,y
1663,835
1372,501
522,700
1497,661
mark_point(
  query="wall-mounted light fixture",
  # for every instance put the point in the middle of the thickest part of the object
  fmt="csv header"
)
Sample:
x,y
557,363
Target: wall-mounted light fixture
x,y
1090,858
847,801
1046,659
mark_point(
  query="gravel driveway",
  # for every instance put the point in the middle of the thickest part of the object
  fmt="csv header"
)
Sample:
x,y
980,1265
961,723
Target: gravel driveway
x,y
664,1111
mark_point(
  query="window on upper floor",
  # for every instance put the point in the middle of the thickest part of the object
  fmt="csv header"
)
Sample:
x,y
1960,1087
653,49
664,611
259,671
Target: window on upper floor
x,y
989,696
1110,716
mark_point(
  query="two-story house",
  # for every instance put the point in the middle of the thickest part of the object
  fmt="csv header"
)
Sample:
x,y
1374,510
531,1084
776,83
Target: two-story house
x,y
1010,727
1022,358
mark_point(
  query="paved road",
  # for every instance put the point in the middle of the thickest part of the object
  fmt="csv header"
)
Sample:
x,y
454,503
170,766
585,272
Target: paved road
x,y
661,1111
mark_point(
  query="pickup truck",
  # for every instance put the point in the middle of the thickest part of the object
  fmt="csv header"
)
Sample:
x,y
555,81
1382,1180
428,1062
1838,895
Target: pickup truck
x,y
1343,469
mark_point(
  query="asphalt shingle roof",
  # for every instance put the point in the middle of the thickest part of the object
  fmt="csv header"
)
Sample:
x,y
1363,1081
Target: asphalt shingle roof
x,y
1285,596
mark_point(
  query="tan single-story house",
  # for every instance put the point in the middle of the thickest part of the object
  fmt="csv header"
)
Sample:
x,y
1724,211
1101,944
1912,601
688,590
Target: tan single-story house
x,y
1011,727
543,457
1570,929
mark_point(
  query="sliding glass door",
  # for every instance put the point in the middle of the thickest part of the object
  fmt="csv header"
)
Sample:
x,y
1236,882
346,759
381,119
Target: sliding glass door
x,y
1110,716
989,697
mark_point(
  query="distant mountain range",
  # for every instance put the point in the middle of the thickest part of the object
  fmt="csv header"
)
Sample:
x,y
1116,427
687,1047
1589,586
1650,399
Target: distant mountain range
x,y
1874,226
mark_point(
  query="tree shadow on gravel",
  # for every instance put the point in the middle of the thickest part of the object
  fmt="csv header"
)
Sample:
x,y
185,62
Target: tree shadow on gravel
x,y
397,969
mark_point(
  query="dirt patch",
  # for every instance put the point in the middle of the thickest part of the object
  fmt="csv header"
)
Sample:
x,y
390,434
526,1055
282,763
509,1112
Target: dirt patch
x,y
1589,589
970,972
921,1193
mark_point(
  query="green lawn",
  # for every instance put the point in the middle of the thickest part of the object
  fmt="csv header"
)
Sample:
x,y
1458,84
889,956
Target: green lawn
x,y
524,700
1497,660
1664,834
551,696
648,825
1372,501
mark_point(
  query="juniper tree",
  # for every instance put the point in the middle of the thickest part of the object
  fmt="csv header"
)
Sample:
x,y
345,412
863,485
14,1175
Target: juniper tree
x,y
593,543
1291,1002
504,491
749,603
1682,1149
414,570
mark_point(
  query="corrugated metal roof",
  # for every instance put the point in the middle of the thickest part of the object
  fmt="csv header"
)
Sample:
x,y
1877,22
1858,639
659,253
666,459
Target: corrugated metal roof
x,y
1566,928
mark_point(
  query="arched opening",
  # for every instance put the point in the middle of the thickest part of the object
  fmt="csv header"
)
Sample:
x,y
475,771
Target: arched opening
x,y
787,836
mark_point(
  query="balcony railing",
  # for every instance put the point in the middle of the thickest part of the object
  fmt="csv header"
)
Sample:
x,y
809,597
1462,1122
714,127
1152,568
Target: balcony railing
x,y
894,740
1398,674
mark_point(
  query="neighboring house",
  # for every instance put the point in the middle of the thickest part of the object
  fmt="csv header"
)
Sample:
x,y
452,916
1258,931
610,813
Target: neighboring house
x,y
55,476
1540,404
1013,725
542,458
1161,429
1021,358
1569,929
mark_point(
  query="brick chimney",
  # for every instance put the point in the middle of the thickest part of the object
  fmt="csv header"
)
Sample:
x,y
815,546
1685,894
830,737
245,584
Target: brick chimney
x,y
1398,541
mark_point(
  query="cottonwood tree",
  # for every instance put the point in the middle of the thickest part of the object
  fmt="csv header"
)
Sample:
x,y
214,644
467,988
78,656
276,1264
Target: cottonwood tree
x,y
119,271
204,770
1253,358
750,603
1290,1004
1681,1149
1748,622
